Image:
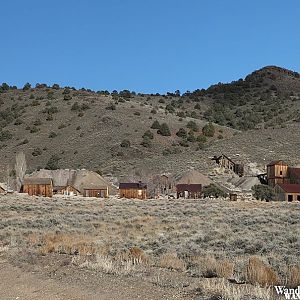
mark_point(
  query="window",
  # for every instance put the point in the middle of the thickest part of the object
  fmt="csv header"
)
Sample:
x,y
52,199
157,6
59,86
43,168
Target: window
x,y
140,192
280,172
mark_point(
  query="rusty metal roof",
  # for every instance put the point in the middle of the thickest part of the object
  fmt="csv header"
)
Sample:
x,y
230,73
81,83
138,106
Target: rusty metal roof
x,y
132,185
290,187
189,187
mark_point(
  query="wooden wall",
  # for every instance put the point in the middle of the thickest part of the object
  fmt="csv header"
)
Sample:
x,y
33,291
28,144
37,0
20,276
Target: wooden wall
x,y
133,193
277,174
98,193
45,190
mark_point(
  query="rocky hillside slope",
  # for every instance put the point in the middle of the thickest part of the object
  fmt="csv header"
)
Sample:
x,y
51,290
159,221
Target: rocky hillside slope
x,y
255,119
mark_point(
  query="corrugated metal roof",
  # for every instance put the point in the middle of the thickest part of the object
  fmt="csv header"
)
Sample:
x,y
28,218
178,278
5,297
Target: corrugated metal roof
x,y
189,187
132,185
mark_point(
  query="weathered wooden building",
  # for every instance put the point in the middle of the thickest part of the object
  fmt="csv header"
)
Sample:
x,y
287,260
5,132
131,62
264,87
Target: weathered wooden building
x,y
188,191
38,186
68,190
227,163
133,190
277,172
75,182
96,191
287,192
163,185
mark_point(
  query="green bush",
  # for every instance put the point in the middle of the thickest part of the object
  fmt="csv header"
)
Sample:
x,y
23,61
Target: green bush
x,y
37,152
146,142
208,130
52,163
52,135
111,107
125,144
213,191
27,86
155,125
164,130
263,192
193,126
148,134
181,133
5,135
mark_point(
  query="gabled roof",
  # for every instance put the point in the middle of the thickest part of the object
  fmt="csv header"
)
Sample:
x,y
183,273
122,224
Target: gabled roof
x,y
31,180
277,162
290,188
189,187
132,185
193,177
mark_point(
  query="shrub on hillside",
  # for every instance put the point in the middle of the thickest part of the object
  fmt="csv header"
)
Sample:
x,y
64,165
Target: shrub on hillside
x,y
148,134
37,152
193,126
208,130
125,144
155,125
181,133
52,163
164,130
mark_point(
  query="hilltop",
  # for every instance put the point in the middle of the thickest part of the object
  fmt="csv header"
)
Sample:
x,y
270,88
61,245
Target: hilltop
x,y
256,118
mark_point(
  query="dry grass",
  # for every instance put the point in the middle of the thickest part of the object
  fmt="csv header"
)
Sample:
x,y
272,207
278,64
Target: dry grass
x,y
202,238
258,272
221,289
293,277
172,261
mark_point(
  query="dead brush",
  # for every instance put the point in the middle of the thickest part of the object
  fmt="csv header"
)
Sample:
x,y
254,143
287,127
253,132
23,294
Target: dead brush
x,y
209,267
257,272
172,261
66,244
293,276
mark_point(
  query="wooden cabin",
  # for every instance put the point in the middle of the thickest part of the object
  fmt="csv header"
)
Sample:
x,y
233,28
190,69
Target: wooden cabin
x,y
98,192
68,190
38,186
189,191
133,190
277,172
287,192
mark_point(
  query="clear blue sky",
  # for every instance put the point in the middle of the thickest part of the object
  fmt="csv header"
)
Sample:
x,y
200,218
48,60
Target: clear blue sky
x,y
145,45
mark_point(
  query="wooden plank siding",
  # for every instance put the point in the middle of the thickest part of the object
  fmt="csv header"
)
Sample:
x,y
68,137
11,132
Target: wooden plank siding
x,y
98,193
38,187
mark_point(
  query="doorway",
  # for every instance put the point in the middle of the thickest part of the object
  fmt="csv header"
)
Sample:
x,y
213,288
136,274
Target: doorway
x,y
290,198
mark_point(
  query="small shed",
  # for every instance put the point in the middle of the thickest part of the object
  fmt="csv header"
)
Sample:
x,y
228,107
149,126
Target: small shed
x,y
188,191
131,190
38,186
95,191
287,192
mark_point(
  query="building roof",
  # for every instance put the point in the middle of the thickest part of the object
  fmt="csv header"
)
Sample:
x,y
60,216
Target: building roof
x,y
132,185
290,188
194,177
277,162
189,187
295,171
37,180
79,179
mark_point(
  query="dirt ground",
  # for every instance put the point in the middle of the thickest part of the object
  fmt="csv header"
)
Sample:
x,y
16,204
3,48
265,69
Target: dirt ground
x,y
48,282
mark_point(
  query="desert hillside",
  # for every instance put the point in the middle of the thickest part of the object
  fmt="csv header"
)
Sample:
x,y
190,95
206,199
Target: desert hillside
x,y
255,119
